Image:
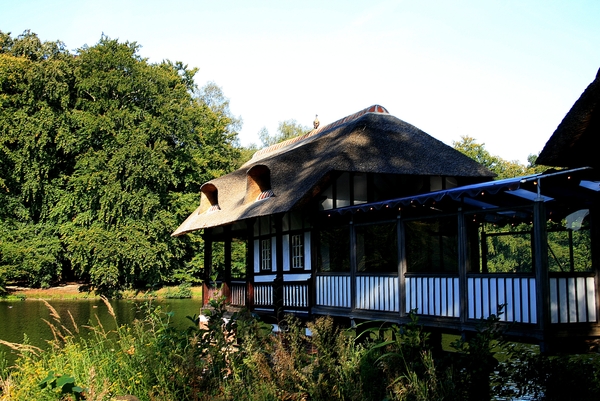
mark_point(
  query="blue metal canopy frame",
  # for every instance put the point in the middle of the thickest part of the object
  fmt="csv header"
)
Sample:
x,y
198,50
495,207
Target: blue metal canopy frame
x,y
527,188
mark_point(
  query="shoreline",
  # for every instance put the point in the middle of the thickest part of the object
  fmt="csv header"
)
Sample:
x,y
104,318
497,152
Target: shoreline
x,y
78,291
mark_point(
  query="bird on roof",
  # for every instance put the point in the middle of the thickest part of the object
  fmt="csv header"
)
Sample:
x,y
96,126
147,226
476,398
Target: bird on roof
x,y
316,122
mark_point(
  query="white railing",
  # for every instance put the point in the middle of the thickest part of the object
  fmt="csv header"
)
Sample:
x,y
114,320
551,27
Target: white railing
x,y
295,295
431,295
263,295
333,290
572,300
518,294
238,293
380,293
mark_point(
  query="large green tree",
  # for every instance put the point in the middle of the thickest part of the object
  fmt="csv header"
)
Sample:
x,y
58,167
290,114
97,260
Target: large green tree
x,y
503,168
102,156
285,130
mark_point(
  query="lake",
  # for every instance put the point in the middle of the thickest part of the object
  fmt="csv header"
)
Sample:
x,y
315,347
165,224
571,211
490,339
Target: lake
x,y
24,318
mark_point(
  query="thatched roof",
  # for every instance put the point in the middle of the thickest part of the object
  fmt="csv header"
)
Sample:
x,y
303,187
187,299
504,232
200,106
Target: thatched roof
x,y
370,141
573,144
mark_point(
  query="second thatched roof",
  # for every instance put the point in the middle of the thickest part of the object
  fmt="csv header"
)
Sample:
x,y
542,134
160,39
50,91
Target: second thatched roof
x,y
574,143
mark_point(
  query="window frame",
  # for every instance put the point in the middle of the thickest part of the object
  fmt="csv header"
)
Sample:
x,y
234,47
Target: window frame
x,y
297,250
266,263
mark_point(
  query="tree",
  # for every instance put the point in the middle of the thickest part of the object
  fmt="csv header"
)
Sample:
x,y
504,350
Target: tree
x,y
287,129
35,95
105,155
246,153
503,168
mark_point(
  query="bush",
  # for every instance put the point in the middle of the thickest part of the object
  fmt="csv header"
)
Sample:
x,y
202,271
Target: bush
x,y
235,356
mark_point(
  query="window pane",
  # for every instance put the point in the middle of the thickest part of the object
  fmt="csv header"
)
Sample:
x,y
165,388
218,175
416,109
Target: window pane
x,y
342,196
432,245
360,188
506,249
569,250
296,221
265,225
297,249
377,248
327,195
500,241
265,254
334,250
435,183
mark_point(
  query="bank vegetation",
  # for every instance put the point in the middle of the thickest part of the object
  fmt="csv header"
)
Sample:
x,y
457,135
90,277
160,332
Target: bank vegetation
x,y
242,358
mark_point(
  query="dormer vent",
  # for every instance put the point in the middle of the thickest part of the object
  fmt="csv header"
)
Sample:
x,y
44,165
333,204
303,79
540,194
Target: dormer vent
x,y
209,201
258,186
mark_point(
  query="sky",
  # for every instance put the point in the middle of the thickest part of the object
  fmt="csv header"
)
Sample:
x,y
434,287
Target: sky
x,y
504,72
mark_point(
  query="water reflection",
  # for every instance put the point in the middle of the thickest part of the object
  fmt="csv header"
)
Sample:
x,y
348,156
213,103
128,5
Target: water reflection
x,y
24,320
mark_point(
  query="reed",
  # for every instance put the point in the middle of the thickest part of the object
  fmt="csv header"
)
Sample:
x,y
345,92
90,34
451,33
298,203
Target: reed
x,y
240,358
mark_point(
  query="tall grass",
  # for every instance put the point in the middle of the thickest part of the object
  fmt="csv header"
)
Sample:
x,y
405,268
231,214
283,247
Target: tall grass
x,y
240,358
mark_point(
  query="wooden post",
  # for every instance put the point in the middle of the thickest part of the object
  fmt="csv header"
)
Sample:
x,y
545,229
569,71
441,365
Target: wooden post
x,y
540,259
250,264
207,237
353,264
594,238
463,257
278,303
401,265
226,286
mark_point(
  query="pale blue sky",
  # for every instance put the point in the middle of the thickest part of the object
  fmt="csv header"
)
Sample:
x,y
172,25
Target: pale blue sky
x,y
504,72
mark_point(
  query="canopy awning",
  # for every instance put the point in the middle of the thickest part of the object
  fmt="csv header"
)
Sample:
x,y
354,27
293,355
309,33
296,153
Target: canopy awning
x,y
569,185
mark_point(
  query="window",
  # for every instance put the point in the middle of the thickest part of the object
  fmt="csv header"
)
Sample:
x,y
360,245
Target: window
x,y
501,241
297,251
569,250
334,250
265,254
377,248
432,245
354,188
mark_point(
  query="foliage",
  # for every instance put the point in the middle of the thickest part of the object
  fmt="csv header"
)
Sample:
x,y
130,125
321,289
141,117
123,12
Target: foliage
x,y
508,248
503,168
102,155
286,130
246,153
477,372
64,383
554,378
235,356
406,362
184,290
238,258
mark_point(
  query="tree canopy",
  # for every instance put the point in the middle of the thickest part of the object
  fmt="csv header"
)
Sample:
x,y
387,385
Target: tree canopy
x,y
503,168
102,155
286,130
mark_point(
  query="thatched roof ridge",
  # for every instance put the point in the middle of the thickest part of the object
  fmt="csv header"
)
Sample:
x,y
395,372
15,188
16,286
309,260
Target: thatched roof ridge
x,y
292,143
370,143
573,144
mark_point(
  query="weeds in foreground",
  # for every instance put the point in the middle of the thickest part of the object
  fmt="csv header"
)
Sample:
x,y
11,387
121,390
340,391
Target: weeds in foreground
x,y
238,357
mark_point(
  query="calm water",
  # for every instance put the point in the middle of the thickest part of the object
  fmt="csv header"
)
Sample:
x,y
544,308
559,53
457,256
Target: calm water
x,y
25,318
